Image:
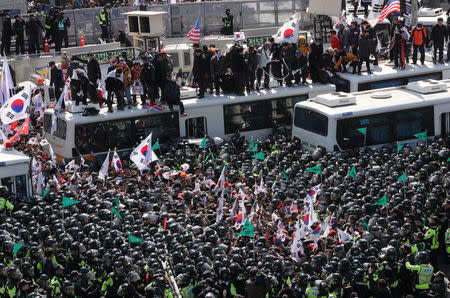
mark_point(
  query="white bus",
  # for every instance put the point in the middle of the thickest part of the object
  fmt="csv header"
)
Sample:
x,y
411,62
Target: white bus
x,y
15,172
390,115
215,116
385,76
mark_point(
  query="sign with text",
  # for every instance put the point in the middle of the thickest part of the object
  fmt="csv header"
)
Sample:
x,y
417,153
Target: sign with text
x,y
105,56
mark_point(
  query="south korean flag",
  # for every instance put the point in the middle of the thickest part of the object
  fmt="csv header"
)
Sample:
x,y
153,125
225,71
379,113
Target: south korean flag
x,y
17,107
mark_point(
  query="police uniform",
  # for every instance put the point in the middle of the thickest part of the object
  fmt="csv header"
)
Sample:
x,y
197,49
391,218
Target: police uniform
x,y
5,205
104,23
432,235
425,273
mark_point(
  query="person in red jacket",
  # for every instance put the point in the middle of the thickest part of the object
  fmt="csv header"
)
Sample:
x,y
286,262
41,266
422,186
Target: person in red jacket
x,y
419,40
335,41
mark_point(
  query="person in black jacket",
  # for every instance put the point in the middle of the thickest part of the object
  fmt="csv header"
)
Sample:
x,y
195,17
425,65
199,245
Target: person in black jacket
x,y
209,53
163,71
147,80
19,28
199,71
288,57
373,41
364,51
275,62
171,95
316,59
123,39
438,36
114,85
34,27
79,85
56,79
300,67
7,32
251,59
238,68
217,66
93,73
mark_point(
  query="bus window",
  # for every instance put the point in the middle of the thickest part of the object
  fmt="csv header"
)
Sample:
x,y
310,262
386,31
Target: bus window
x,y
282,109
196,127
409,122
187,58
175,60
311,121
91,138
398,82
21,186
119,134
61,126
8,182
379,131
163,127
445,124
342,85
246,116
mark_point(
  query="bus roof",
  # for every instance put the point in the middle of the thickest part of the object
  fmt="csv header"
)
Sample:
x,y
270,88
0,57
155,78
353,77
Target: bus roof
x,y
11,157
386,72
208,100
366,103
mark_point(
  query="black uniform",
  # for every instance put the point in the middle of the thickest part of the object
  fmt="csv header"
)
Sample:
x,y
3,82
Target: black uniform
x,y
317,61
62,24
79,88
147,80
251,59
7,32
33,27
94,74
199,71
238,67
276,62
19,28
217,67
364,53
227,20
438,36
57,80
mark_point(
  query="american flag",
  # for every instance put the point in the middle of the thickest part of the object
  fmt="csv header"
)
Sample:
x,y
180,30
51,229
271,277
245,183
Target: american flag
x,y
391,6
194,34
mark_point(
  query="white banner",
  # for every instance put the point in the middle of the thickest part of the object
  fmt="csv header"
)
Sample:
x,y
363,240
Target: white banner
x,y
374,14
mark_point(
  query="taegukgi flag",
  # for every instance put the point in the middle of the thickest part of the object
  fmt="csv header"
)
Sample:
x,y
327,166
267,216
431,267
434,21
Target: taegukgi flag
x,y
138,156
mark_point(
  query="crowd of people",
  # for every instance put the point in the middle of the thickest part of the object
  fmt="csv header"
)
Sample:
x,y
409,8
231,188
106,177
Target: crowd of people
x,y
130,234
147,79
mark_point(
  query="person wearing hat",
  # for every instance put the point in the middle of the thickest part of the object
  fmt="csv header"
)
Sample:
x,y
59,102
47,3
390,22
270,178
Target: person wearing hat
x,y
7,32
438,36
33,28
300,67
19,28
419,40
217,66
288,57
251,60
148,80
105,21
227,20
62,23
199,71
56,79
275,62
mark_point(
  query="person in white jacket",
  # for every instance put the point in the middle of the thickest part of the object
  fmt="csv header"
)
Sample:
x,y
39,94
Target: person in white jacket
x,y
263,66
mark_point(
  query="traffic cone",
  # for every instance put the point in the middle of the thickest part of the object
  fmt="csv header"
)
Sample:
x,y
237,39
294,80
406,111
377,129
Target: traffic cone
x,y
82,43
46,47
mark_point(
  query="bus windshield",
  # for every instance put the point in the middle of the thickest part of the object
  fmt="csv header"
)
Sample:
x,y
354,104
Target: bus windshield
x,y
384,128
311,121
99,137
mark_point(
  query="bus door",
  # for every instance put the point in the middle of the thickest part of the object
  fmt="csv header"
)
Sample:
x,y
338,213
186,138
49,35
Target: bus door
x,y
196,127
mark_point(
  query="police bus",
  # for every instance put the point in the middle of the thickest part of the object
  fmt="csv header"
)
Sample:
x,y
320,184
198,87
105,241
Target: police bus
x,y
388,116
385,76
221,116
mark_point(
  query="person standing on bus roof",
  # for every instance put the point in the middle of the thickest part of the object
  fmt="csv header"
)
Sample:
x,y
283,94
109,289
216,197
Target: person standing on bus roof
x,y
199,72
217,66
399,44
419,39
56,80
335,41
344,37
355,32
148,80
438,36
114,85
93,72
364,51
263,66
345,58
275,62
448,38
19,29
373,41
127,81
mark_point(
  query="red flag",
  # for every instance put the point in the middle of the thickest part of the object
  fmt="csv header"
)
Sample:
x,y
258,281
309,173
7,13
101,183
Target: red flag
x,y
165,223
23,130
14,125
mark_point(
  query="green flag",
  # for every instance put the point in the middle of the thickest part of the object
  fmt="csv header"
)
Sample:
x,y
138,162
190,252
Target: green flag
x,y
316,169
259,155
247,230
422,136
116,213
352,172
448,159
116,201
212,155
362,130
67,202
382,201
45,192
16,248
254,149
285,175
203,142
251,143
156,145
403,178
134,239
399,147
